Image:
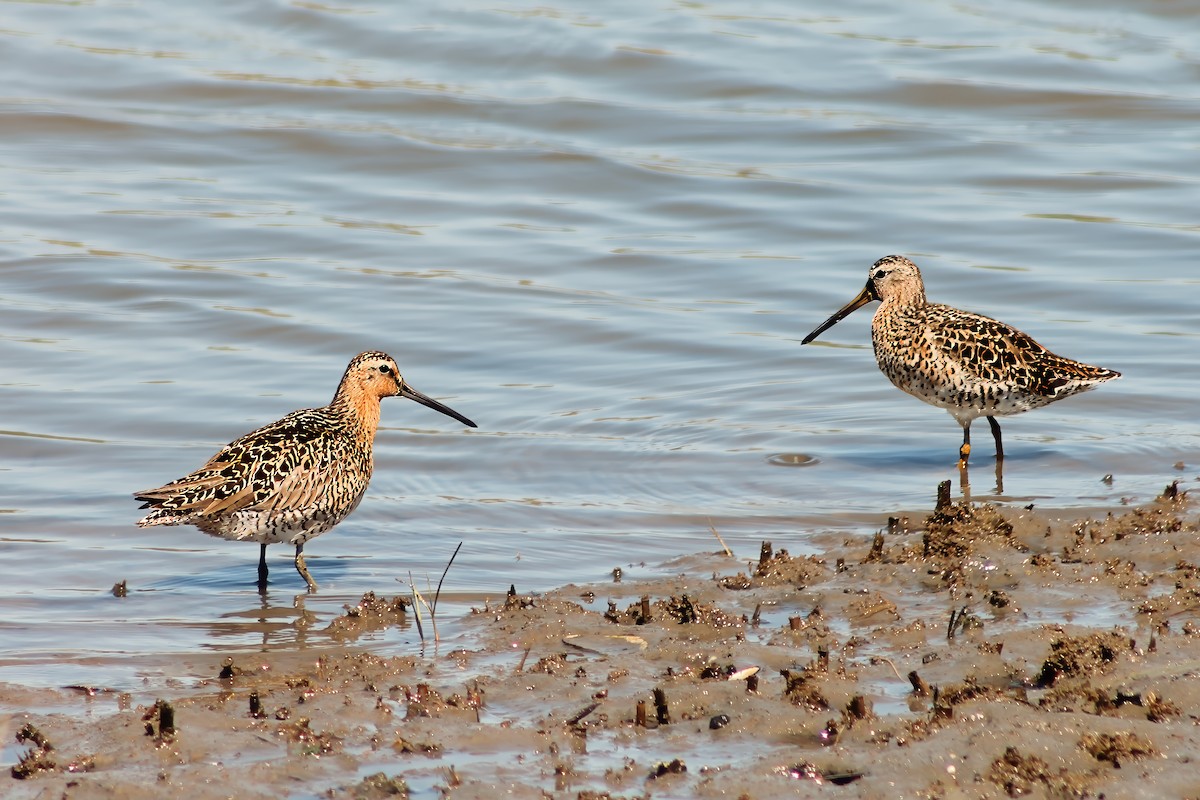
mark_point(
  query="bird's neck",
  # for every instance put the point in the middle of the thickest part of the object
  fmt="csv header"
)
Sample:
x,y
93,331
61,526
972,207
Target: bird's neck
x,y
907,297
359,410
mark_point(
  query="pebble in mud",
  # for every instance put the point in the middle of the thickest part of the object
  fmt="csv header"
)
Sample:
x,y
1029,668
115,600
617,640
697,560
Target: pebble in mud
x,y
717,722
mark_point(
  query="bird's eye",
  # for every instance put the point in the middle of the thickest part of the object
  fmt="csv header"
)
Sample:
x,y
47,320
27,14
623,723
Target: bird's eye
x,y
385,369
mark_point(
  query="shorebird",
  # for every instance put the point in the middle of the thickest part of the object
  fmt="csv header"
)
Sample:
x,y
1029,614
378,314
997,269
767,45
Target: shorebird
x,y
971,365
296,478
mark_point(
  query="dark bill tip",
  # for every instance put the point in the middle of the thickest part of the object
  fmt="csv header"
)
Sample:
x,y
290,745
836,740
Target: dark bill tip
x,y
860,300
425,400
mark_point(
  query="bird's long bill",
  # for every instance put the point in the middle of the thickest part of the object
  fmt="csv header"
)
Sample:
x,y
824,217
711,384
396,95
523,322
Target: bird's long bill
x,y
863,297
425,400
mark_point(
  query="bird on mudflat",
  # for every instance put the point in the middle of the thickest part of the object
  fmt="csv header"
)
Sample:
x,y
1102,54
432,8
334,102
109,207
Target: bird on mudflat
x,y
296,478
971,365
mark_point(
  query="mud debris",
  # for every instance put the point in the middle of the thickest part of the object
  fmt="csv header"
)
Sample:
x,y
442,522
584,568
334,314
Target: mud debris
x,y
778,568
957,530
681,610
379,786
1020,775
1118,748
787,676
371,613
1083,656
37,759
159,720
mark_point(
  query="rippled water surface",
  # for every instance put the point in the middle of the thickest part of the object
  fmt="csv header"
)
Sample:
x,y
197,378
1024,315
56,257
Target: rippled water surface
x,y
599,230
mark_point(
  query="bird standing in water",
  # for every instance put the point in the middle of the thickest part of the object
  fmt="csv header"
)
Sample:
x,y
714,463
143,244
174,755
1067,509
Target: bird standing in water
x,y
971,365
296,478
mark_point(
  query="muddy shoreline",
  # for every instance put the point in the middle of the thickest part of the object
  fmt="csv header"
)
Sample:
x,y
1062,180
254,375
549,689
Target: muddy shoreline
x,y
981,651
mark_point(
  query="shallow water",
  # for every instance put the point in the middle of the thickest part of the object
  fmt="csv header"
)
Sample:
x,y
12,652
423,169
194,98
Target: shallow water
x,y
599,232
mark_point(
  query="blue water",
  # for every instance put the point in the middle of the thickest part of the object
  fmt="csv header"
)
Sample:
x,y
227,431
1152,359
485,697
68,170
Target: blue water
x,y
600,232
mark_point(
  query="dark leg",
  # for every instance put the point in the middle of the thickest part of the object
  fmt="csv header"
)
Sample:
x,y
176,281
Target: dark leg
x,y
996,435
964,452
303,570
262,567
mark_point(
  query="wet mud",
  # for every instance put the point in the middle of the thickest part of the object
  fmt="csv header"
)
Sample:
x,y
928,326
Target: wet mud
x,y
968,651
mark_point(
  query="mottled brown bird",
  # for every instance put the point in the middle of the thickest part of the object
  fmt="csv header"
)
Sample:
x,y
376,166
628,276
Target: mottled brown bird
x,y
971,365
296,478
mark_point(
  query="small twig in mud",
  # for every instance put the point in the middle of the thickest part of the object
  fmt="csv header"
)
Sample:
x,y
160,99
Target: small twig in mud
x,y
639,717
887,661
920,687
724,546
525,655
583,713
957,617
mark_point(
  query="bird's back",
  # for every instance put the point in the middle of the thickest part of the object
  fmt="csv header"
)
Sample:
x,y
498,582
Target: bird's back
x,y
958,359
309,465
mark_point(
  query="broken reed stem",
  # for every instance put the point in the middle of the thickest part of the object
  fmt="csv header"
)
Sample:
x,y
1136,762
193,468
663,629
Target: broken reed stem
x,y
639,717
416,606
583,713
166,718
524,656
859,707
724,546
419,599
661,712
920,687
256,705
943,496
438,593
957,617
764,556
876,552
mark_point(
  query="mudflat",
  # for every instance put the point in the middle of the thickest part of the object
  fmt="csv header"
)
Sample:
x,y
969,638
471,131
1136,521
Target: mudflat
x,y
979,651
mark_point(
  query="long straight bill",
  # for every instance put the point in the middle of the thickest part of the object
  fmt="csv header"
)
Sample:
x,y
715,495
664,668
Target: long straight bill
x,y
863,297
425,400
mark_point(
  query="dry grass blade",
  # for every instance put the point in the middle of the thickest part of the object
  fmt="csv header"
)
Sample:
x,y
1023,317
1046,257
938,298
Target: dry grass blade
x,y
724,546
